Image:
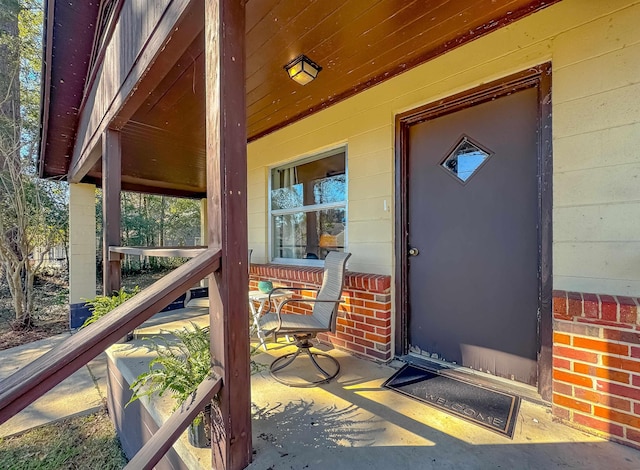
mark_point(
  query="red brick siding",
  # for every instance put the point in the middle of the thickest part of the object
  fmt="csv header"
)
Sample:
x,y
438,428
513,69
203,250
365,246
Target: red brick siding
x,y
596,363
363,326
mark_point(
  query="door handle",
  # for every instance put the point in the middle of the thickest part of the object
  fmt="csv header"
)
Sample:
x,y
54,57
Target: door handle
x,y
414,252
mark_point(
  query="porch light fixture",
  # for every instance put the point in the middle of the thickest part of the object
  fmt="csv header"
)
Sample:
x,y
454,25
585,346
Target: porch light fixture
x,y
302,69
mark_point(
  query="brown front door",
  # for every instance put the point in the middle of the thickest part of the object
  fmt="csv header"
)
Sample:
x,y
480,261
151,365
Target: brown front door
x,y
472,216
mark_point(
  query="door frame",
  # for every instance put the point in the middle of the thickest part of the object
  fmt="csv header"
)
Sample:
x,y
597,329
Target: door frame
x,y
535,77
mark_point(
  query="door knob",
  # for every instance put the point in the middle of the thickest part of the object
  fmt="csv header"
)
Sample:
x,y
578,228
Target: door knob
x,y
414,252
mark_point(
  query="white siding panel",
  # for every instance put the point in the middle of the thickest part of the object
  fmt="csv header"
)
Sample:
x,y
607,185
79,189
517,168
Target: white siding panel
x,y
615,27
596,112
608,147
373,258
620,260
372,186
380,162
256,205
608,185
622,66
597,285
597,223
370,209
363,233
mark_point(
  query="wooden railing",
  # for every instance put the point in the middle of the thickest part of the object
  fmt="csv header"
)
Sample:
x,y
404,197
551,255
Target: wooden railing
x,y
34,380
163,439
117,252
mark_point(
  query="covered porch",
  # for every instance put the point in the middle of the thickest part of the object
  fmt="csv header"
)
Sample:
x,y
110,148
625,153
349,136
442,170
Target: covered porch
x,y
355,423
190,98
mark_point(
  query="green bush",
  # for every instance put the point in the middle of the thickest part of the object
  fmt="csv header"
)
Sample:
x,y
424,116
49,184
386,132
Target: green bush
x,y
179,366
101,305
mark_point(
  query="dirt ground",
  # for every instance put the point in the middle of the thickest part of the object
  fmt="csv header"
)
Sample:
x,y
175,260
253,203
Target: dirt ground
x,y
51,306
50,316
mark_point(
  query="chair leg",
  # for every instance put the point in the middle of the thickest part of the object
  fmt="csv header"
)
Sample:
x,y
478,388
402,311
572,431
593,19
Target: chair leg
x,y
292,356
303,344
320,369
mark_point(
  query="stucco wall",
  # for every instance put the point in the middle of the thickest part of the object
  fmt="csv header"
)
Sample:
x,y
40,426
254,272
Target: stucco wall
x,y
82,242
594,47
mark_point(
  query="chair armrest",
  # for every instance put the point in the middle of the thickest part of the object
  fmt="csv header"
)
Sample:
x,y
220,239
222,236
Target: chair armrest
x,y
291,288
287,301
284,289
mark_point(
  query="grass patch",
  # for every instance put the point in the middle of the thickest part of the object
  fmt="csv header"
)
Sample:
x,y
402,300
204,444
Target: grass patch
x,y
85,442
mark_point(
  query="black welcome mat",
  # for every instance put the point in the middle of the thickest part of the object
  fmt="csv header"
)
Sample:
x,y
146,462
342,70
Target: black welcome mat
x,y
490,409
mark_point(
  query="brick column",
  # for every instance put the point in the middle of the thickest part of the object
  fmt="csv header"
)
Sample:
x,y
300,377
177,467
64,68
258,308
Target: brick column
x,y
82,249
596,364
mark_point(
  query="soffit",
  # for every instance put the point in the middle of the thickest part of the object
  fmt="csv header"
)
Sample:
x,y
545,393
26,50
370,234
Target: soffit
x,y
68,34
358,44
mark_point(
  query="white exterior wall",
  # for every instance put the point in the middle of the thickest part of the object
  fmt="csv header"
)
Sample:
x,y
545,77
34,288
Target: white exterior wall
x,y
594,47
82,242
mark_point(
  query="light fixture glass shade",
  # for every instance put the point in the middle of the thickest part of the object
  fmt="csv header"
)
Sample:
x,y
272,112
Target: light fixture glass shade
x,y
302,69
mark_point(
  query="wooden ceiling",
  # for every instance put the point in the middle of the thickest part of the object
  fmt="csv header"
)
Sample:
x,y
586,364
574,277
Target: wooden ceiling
x,y
358,43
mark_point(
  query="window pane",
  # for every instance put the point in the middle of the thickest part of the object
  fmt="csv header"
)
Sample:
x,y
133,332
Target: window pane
x,y
309,235
321,181
465,159
330,189
287,198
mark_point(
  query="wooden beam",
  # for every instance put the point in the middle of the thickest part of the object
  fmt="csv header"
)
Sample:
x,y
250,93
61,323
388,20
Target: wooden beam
x,y
163,190
179,26
159,186
37,378
111,186
545,185
162,251
46,87
161,441
227,222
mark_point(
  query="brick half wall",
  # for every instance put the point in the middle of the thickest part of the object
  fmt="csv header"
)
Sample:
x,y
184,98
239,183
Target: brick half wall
x,y
364,319
596,363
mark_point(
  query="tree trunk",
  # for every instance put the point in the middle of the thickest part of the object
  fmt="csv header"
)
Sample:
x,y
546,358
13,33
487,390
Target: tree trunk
x,y
24,221
9,81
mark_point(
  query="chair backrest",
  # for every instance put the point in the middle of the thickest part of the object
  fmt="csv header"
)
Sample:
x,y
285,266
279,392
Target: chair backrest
x,y
332,283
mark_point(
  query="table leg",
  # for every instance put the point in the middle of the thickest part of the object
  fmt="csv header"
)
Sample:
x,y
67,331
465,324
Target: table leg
x,y
256,321
278,304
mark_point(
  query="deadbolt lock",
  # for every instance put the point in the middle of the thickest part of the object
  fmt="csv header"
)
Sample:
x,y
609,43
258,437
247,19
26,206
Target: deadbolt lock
x,y
414,252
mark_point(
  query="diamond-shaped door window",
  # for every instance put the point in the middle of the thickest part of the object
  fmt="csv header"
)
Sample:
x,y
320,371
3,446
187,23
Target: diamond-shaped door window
x,y
465,159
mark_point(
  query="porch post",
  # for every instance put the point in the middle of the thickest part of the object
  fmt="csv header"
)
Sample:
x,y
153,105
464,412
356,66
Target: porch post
x,y
204,231
226,148
111,185
204,223
82,244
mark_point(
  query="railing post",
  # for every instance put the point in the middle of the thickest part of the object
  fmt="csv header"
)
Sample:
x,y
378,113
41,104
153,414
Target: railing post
x,y
111,186
226,150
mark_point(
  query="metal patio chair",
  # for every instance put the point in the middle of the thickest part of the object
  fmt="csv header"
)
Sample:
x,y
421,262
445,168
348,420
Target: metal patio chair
x,y
305,327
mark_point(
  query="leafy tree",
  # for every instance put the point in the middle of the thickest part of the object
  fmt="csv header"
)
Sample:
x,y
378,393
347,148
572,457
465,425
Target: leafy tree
x,y
151,220
32,212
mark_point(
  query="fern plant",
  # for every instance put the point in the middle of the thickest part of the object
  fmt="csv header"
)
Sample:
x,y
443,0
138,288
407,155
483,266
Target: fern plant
x,y
102,304
179,367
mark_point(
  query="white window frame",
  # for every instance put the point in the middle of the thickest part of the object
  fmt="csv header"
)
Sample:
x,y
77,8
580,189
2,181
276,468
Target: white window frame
x,y
315,207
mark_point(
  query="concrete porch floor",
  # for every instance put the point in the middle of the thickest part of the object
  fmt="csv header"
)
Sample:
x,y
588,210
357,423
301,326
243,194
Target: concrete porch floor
x,y
352,423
